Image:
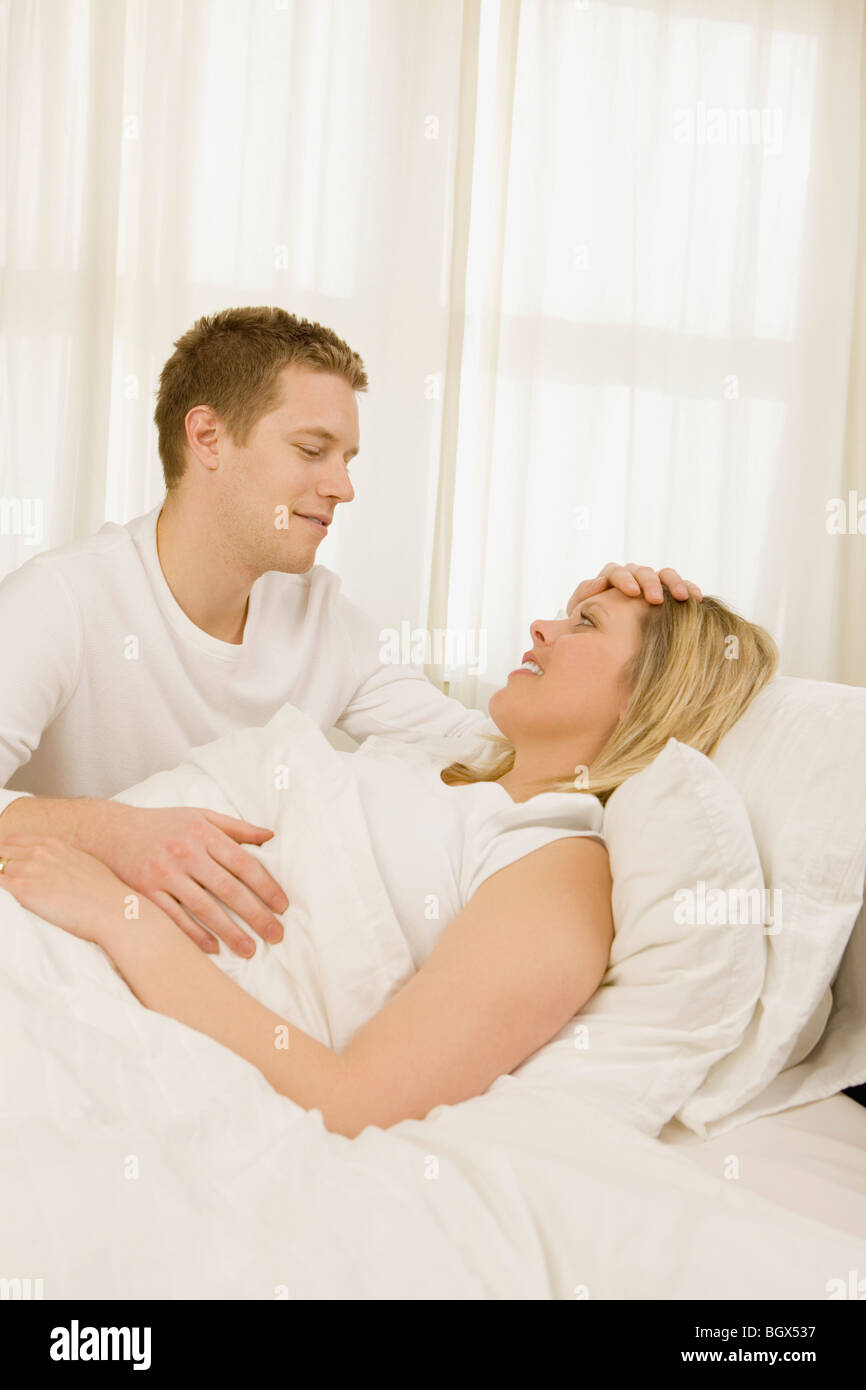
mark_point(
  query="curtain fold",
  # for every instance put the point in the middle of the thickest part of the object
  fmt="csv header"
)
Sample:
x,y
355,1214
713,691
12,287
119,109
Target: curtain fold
x,y
850,607
464,176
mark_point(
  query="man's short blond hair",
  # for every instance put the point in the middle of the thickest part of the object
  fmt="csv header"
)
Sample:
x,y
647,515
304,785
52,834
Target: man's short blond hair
x,y
231,361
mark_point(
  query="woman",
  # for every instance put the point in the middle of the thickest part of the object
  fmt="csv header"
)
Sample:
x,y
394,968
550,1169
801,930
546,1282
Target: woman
x,y
499,877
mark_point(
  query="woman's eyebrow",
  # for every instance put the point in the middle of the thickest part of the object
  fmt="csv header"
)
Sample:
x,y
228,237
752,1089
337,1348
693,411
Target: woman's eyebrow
x,y
588,606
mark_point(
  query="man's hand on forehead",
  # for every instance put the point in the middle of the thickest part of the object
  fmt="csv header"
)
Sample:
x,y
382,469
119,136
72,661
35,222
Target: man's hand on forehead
x,y
636,581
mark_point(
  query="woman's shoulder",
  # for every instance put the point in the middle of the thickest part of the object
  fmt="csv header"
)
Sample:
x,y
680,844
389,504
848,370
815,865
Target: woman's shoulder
x,y
489,804
499,831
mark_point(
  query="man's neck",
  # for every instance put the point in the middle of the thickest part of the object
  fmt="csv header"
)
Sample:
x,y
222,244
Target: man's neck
x,y
205,581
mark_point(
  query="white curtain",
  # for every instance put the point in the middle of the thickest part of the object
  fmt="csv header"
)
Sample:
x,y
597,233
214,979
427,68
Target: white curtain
x,y
659,290
600,259
168,158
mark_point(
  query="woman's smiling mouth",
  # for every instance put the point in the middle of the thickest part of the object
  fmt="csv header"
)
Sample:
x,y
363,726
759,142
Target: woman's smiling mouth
x,y
529,668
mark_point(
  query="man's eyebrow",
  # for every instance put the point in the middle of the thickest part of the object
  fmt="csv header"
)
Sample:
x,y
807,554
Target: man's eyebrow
x,y
322,434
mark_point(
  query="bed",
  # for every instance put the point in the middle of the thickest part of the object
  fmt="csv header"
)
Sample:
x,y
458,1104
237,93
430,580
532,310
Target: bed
x,y
810,1159
684,1137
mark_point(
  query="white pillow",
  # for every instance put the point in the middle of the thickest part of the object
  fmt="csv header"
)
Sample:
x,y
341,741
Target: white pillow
x,y
798,759
677,995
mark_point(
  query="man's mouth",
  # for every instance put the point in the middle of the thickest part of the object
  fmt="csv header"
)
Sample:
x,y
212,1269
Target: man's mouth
x,y
322,522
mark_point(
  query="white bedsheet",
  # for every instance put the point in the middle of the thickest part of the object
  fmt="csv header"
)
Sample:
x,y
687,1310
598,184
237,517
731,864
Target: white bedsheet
x,y
811,1158
139,1158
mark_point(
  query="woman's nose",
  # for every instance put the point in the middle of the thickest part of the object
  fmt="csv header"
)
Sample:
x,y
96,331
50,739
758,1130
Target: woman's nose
x,y
540,631
546,630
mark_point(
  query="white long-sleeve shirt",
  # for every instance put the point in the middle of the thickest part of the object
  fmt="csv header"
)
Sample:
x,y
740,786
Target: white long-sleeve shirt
x,y
105,680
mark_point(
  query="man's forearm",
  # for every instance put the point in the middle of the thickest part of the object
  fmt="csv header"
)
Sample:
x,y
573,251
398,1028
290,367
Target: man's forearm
x,y
82,821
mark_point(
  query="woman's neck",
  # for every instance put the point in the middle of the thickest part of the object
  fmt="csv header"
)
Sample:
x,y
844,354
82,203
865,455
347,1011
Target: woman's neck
x,y
537,772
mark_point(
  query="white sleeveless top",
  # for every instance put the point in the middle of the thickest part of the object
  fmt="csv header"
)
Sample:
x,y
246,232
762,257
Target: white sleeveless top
x,y
435,845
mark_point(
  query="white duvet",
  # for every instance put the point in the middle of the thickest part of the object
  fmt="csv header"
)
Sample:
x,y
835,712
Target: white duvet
x,y
140,1159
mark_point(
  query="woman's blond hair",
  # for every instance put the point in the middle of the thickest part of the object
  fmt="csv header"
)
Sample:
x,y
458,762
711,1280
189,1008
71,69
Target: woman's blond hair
x,y
698,667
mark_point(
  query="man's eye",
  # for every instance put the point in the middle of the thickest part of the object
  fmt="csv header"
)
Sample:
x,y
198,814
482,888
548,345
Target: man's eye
x,y
585,618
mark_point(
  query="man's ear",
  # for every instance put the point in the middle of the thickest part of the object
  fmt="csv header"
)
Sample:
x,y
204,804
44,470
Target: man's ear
x,y
203,434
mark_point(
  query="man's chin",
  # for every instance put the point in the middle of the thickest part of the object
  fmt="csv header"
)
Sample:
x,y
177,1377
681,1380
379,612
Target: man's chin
x,y
293,564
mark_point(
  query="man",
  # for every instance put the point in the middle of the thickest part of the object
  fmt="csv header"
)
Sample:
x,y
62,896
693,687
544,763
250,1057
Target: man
x,y
206,615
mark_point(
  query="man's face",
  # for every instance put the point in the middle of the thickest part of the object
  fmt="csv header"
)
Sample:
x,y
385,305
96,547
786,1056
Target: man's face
x,y
278,492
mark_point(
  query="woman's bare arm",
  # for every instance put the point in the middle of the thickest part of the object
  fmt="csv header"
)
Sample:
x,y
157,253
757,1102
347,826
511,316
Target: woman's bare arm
x,y
507,973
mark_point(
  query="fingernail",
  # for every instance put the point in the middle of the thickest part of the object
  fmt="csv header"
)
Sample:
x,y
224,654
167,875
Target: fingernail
x,y
280,904
273,934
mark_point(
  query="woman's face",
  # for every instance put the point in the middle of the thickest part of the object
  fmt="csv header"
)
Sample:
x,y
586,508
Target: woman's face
x,y
575,699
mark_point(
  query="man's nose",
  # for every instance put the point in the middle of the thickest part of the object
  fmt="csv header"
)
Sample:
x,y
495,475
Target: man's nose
x,y
338,484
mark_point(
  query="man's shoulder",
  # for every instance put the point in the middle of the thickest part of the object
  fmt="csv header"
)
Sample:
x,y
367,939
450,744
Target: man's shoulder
x,y
322,587
79,563
360,625
316,601
110,539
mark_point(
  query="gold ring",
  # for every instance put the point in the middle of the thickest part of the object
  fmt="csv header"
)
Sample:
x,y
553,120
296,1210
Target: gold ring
x,y
3,863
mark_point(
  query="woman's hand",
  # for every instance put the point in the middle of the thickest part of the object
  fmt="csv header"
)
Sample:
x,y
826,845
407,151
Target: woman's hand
x,y
637,581
72,889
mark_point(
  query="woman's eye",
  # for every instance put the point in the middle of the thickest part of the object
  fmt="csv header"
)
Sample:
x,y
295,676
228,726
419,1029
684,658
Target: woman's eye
x,y
309,453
